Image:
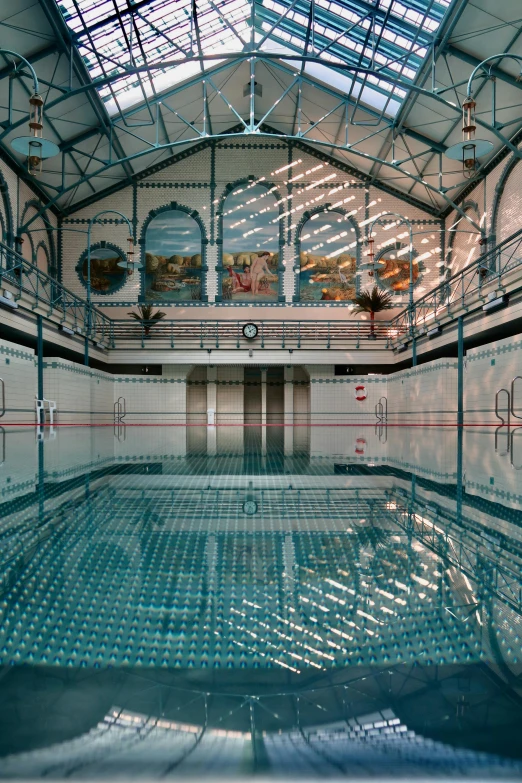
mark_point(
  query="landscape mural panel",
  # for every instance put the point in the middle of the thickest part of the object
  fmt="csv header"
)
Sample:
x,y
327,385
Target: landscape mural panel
x,y
250,245
106,275
327,259
173,258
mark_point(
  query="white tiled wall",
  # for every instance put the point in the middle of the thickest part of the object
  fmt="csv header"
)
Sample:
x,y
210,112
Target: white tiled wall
x,y
19,374
188,183
82,395
426,393
332,398
488,369
155,399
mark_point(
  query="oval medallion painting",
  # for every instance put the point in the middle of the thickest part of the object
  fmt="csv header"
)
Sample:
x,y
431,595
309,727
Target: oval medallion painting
x,y
173,258
106,275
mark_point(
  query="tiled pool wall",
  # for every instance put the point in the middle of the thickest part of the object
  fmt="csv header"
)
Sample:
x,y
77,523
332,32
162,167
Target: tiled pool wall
x,y
425,394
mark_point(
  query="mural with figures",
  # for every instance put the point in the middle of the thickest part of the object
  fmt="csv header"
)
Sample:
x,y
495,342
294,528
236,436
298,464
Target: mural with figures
x,y
250,245
328,258
173,258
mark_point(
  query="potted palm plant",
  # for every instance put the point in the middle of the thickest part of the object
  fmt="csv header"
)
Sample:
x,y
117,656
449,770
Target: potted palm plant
x,y
372,302
146,317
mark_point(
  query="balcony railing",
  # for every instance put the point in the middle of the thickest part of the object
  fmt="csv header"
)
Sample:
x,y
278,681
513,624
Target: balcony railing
x,y
465,291
272,334
43,292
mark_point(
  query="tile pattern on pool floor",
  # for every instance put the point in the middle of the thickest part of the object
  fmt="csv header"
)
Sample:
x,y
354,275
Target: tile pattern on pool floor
x,y
190,602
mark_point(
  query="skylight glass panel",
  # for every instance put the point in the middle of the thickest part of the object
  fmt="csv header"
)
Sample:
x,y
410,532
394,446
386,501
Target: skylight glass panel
x,y
111,35
393,36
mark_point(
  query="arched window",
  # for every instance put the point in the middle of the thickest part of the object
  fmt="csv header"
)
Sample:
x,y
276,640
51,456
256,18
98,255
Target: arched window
x,y
173,267
42,258
328,254
392,267
251,235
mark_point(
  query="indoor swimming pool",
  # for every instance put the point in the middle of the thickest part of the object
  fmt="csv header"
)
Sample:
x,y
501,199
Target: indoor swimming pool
x,y
271,601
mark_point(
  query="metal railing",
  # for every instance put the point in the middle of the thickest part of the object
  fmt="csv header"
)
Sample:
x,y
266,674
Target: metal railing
x,y
272,334
43,291
464,291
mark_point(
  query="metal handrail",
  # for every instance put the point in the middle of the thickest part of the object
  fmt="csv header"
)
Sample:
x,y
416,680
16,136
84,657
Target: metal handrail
x,y
120,410
281,333
3,397
47,291
512,456
516,378
497,414
458,290
381,411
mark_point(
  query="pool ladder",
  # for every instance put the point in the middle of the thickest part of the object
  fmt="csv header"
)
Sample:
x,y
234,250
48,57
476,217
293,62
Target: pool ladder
x,y
381,411
2,409
120,411
510,412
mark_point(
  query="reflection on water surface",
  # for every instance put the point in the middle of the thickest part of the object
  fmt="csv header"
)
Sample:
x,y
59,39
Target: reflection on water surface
x,y
272,601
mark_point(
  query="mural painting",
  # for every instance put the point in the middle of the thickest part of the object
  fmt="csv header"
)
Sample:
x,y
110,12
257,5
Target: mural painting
x,y
173,258
250,245
106,275
327,262
392,268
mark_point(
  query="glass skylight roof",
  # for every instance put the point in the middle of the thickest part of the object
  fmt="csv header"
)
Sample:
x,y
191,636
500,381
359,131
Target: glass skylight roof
x,y
113,34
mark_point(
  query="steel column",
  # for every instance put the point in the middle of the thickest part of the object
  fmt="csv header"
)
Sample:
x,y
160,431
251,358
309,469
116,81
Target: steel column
x,y
460,372
39,354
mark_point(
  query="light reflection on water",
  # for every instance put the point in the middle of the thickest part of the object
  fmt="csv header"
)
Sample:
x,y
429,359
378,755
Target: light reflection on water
x,y
274,601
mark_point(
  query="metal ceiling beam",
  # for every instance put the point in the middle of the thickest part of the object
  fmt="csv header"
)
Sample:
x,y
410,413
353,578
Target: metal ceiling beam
x,y
494,70
64,43
33,58
112,18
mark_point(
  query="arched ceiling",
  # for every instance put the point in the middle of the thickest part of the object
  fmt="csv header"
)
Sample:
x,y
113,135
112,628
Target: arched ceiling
x,y
376,84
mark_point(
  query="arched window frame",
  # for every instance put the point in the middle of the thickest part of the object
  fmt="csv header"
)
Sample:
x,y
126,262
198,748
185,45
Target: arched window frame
x,y
7,227
194,214
41,237
307,215
398,245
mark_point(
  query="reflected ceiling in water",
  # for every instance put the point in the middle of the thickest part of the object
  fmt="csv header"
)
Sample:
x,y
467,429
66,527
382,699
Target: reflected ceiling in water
x,y
334,596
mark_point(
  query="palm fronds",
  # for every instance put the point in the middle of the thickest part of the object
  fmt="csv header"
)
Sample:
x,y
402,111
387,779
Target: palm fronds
x,y
373,301
146,315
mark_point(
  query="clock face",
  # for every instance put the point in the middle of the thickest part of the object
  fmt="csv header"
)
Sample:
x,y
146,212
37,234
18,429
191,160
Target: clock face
x,y
250,507
250,331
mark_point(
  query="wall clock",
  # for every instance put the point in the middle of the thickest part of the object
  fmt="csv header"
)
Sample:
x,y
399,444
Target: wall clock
x,y
250,331
250,507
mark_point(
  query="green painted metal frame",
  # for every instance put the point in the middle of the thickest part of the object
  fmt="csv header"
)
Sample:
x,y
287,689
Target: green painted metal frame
x,y
463,291
276,334
255,127
63,306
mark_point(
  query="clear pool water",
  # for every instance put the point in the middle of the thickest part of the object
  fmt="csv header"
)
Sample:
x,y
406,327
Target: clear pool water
x,y
274,602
